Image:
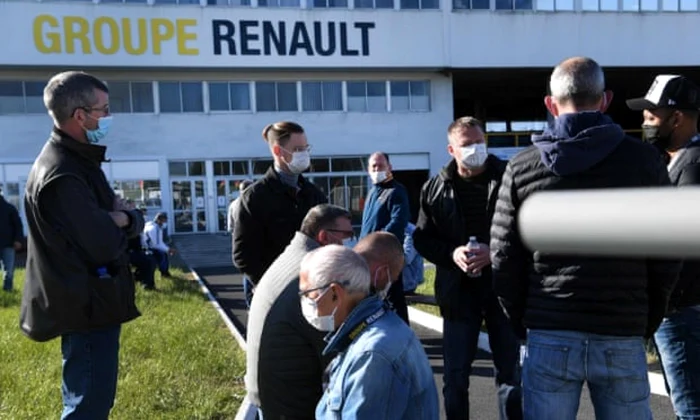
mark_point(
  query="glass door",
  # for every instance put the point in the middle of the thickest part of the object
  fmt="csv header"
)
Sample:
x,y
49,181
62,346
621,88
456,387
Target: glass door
x,y
189,205
226,192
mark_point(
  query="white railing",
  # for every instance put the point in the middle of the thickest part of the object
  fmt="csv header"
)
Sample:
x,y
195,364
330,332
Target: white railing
x,y
649,222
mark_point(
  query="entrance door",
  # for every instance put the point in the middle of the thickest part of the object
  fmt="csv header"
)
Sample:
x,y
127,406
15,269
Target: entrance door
x,y
189,205
226,191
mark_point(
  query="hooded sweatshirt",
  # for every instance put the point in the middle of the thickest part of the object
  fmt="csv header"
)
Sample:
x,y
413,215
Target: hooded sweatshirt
x,y
574,143
607,296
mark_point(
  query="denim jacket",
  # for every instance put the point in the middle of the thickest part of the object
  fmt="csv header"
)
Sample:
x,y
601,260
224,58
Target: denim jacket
x,y
413,271
381,374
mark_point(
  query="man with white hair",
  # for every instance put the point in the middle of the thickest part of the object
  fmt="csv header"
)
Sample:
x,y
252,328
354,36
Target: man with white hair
x,y
381,371
585,317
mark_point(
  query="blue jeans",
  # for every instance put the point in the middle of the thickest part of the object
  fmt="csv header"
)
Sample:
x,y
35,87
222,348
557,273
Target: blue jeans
x,y
90,366
678,344
557,363
162,261
460,345
7,259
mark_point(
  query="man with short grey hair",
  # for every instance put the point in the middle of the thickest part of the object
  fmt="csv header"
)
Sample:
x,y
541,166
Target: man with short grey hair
x,y
381,371
78,283
284,362
584,317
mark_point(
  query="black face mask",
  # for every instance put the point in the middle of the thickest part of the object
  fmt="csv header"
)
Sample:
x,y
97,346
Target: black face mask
x,y
653,134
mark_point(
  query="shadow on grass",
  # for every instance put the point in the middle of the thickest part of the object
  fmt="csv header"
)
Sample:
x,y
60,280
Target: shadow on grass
x,y
10,299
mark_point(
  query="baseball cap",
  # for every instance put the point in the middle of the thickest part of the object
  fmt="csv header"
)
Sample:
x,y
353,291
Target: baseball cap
x,y
668,91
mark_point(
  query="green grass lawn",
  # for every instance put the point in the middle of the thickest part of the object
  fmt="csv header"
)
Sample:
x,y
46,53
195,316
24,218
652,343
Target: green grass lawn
x,y
177,361
428,288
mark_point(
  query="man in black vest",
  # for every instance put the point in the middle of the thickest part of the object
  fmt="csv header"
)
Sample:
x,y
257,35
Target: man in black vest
x,y
78,283
456,204
670,109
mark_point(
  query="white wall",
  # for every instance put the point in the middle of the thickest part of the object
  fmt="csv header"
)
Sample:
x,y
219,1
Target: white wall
x,y
238,135
428,39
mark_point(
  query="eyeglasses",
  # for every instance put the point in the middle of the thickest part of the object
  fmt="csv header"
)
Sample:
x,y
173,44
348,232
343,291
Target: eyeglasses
x,y
103,109
306,148
347,233
342,283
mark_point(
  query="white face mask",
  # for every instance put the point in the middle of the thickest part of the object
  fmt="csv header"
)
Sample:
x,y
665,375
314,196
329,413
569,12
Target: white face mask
x,y
309,308
378,177
348,242
300,162
474,156
385,291
164,226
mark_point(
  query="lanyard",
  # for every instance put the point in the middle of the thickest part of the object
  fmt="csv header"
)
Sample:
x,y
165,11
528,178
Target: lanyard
x,y
367,322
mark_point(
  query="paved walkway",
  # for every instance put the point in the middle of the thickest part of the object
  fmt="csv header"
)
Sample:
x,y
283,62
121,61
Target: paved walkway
x,y
225,284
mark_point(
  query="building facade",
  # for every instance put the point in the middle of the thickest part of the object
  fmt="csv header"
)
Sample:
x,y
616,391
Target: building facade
x,y
192,83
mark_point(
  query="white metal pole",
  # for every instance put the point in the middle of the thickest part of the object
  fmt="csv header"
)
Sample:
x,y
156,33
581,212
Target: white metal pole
x,y
648,222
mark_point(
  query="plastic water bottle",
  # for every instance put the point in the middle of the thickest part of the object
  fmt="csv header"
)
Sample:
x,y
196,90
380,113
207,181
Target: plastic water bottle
x,y
473,245
103,273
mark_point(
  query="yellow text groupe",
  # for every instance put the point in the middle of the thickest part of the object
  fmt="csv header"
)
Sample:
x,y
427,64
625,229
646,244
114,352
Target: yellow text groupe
x,y
107,35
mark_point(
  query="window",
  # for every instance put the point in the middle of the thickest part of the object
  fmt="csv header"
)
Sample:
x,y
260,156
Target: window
x,y
669,5
367,96
320,165
630,5
34,97
227,168
228,2
180,97
410,96
555,5
232,96
513,4
599,5
352,164
177,2
276,96
689,6
22,97
131,97
142,193
420,4
261,166
374,4
330,3
279,3
191,168
322,96
471,4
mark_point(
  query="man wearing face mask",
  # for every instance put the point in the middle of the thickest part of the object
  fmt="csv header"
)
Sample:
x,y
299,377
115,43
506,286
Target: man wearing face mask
x,y
78,281
381,370
284,362
154,238
384,255
271,210
456,204
387,209
670,111
579,314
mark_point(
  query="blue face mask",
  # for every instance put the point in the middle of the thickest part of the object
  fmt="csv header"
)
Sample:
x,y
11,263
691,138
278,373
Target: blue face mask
x,y
98,134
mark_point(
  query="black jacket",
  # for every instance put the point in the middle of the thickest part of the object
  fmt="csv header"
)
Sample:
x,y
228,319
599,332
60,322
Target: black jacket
x,y
440,229
269,214
71,236
686,172
608,296
11,230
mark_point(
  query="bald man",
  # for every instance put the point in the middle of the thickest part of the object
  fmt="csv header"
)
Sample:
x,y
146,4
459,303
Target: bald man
x,y
384,255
